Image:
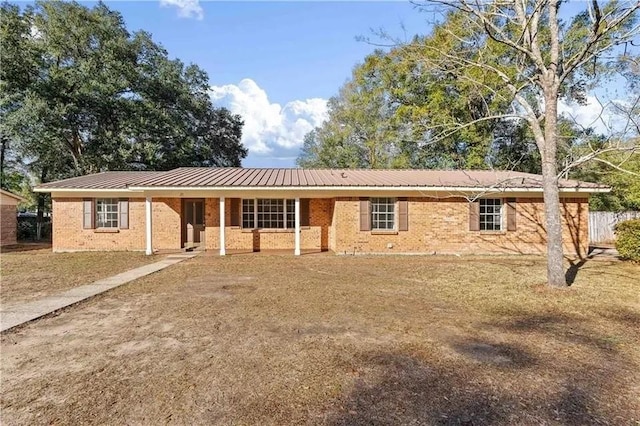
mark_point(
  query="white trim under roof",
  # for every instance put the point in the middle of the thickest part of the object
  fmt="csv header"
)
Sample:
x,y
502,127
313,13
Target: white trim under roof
x,y
360,188
305,191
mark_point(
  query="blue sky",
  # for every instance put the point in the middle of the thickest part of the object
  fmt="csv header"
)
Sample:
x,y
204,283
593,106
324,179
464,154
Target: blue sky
x,y
275,63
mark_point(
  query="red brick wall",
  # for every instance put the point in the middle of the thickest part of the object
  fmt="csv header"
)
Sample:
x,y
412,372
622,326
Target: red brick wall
x,y
8,225
435,226
68,234
442,226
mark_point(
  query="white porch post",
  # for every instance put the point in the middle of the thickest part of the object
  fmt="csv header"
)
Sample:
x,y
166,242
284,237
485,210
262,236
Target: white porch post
x,y
222,224
297,232
148,225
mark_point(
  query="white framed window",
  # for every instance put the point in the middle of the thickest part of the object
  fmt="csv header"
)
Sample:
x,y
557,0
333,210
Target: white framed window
x,y
383,213
290,213
106,212
248,213
491,214
268,213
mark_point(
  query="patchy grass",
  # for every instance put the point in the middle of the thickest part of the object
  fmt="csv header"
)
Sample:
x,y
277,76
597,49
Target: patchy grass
x,y
337,340
29,272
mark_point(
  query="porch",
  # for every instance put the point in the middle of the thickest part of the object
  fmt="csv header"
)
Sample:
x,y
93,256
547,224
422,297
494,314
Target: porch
x,y
227,225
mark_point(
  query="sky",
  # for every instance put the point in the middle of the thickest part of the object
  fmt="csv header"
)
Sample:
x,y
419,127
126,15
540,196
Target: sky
x,y
277,63
274,63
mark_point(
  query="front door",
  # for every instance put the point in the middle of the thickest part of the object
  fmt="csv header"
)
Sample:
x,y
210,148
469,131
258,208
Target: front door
x,y
192,223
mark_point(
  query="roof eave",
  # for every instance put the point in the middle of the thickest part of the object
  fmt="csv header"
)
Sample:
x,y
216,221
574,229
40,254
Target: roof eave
x,y
360,188
142,189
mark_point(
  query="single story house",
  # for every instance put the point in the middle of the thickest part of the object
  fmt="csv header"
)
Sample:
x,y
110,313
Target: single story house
x,y
345,211
9,217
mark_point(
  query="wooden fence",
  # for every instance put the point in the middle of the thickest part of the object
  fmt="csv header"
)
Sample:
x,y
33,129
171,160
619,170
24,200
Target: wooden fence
x,y
601,225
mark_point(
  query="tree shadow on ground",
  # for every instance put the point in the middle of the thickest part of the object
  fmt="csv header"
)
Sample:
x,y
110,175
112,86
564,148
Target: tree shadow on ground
x,y
411,391
488,381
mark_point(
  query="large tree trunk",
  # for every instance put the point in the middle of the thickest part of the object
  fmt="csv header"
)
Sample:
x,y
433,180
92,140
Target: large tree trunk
x,y
553,220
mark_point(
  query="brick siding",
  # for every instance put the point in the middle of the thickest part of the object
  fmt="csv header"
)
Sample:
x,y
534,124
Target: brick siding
x,y
8,225
442,226
435,226
68,234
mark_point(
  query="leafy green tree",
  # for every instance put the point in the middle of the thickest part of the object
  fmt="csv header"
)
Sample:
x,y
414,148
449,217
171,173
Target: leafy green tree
x,y
530,60
80,94
389,115
624,182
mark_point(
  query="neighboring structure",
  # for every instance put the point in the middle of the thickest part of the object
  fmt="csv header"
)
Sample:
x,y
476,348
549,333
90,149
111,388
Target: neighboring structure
x,y
346,211
9,217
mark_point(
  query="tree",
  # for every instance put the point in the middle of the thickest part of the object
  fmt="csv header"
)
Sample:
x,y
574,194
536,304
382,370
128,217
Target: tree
x,y
397,110
530,59
80,94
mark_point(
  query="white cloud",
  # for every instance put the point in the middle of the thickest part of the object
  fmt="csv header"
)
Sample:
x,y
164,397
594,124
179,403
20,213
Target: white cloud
x,y
270,129
186,8
593,114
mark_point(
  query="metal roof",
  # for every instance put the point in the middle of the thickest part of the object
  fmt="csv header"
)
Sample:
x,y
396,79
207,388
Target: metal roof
x,y
104,180
227,177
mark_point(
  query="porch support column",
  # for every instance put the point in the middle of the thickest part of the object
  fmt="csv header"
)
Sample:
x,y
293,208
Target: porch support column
x,y
222,225
148,226
297,232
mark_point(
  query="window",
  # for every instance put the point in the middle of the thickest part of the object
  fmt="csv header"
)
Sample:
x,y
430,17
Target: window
x,y
491,214
106,213
291,214
268,213
382,213
248,214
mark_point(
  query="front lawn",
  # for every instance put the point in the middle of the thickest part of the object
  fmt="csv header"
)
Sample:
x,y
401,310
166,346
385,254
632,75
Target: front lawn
x,y
321,339
31,274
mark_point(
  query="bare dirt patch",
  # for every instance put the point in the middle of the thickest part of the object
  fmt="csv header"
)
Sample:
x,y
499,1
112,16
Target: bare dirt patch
x,y
386,340
32,274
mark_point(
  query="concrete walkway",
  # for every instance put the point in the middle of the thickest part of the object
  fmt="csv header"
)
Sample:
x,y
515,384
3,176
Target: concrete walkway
x,y
22,313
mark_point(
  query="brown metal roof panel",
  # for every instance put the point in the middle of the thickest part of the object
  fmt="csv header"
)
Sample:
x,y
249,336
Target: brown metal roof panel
x,y
274,178
264,177
220,176
215,176
184,178
202,177
285,177
252,178
103,180
312,178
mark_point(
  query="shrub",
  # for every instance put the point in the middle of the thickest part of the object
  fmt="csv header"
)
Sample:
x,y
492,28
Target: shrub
x,y
26,231
628,239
